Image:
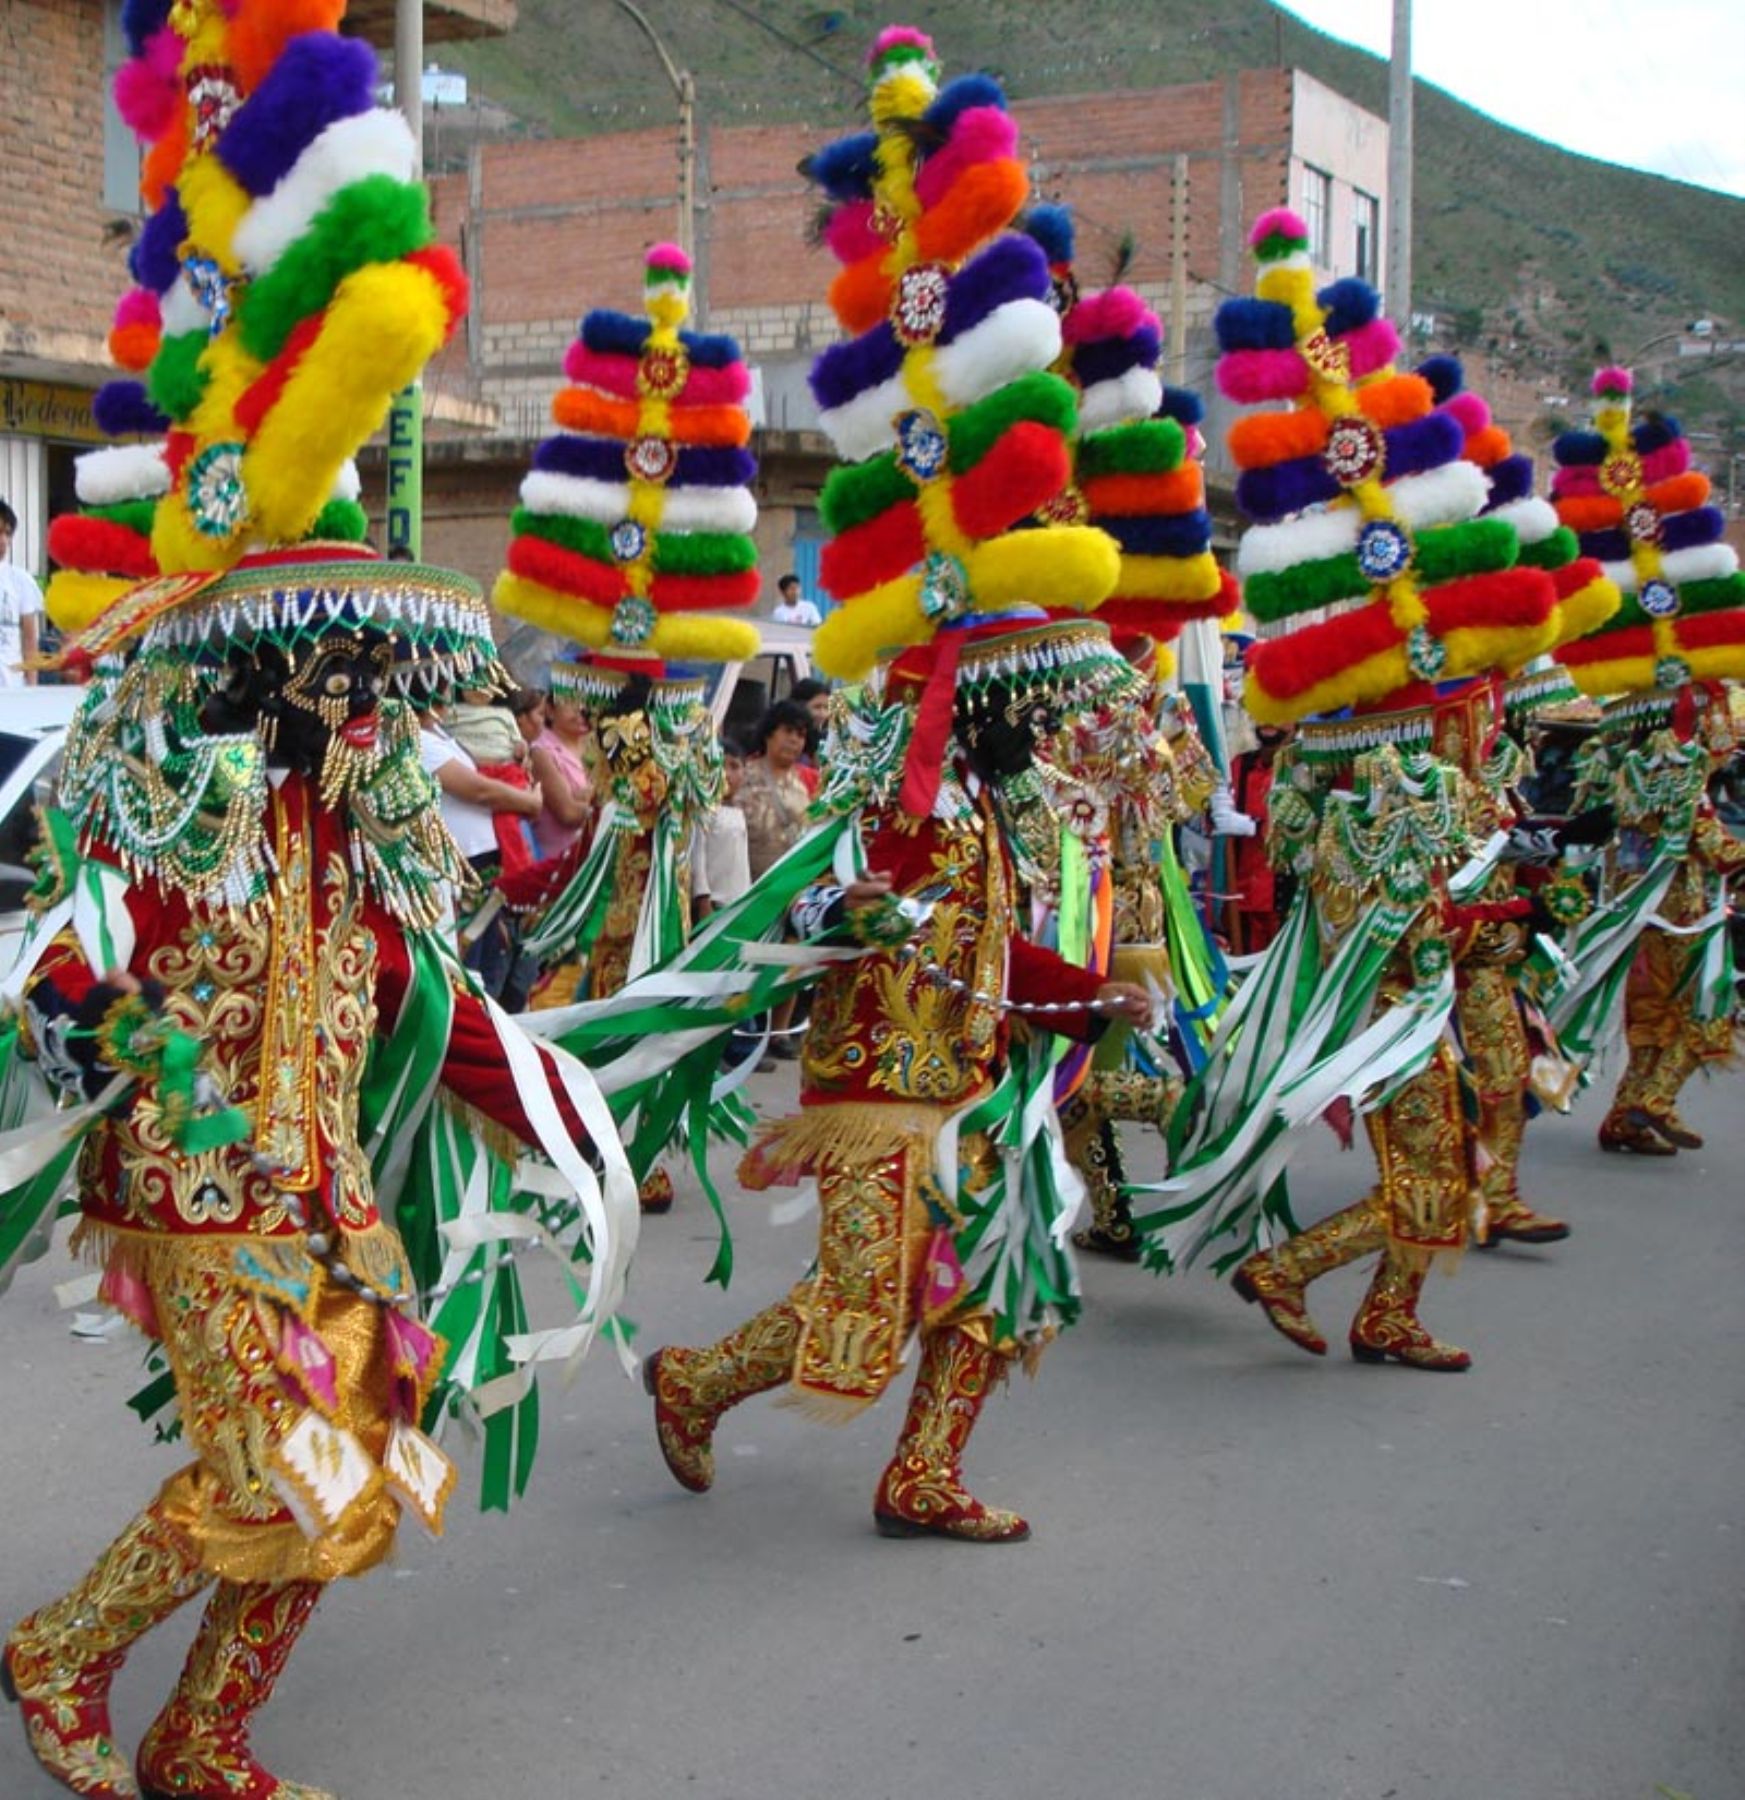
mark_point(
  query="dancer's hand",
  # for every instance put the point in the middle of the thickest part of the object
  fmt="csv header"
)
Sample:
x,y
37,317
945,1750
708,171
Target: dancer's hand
x,y
868,891
1126,1001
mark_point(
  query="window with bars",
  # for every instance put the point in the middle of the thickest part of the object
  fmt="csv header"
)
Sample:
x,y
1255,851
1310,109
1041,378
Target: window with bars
x,y
1368,245
1318,214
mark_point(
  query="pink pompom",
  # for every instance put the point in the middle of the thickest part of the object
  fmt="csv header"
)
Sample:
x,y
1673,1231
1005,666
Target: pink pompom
x,y
139,306
1613,381
1468,410
668,259
148,88
850,234
1112,313
900,37
1278,221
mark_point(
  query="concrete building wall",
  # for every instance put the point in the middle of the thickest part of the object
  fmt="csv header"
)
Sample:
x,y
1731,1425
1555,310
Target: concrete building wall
x,y
1338,139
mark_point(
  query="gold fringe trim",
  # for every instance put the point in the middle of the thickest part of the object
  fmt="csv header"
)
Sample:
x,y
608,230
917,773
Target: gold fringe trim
x,y
824,1408
845,1131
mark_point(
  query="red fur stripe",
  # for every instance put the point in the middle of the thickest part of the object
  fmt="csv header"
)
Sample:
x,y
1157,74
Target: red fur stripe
x,y
554,567
1513,597
100,546
262,394
1027,466
880,550
1294,664
440,262
703,593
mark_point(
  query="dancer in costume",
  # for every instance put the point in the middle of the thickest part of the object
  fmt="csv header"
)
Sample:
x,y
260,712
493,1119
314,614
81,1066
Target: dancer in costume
x,y
633,536
1627,489
925,1121
1137,475
1362,503
234,974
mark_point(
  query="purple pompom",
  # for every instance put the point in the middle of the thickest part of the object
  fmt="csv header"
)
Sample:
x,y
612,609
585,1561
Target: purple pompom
x,y
153,260
319,79
123,409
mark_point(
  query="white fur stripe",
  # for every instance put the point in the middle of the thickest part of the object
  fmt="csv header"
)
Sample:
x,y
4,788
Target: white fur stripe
x,y
1533,518
1445,496
1136,394
120,472
606,502
372,143
1310,537
1702,562
181,312
347,484
1623,574
1016,339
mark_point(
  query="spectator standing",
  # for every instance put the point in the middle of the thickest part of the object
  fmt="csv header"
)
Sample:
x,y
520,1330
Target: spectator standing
x,y
720,852
1261,892
560,769
815,697
20,610
792,607
775,799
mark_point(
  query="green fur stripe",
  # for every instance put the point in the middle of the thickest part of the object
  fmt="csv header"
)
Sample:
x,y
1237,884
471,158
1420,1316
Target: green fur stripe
x,y
1040,399
584,536
1146,447
856,492
1477,547
703,553
1714,595
134,515
175,380
1551,552
376,220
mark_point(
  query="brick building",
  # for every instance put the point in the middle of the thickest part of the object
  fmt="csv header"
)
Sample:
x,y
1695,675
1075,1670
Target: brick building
x,y
69,208
550,228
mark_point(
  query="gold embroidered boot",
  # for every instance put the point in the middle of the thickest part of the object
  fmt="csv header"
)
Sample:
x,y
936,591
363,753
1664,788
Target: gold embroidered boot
x,y
1502,1125
1629,1127
59,1663
197,1747
1092,1149
1276,1279
921,1493
1387,1321
693,1388
1672,1069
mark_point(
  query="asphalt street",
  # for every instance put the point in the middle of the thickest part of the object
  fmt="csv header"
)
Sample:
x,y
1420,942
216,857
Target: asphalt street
x,y
1254,1576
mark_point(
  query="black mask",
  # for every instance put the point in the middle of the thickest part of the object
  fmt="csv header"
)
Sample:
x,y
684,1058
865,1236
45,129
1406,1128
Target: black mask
x,y
303,707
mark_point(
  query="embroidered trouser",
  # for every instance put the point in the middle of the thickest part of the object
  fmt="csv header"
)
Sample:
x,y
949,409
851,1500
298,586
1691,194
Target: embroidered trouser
x,y
1668,1043
1494,1039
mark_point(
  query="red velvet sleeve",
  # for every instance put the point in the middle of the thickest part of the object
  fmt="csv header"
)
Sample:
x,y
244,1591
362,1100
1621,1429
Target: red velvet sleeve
x,y
1036,976
473,1066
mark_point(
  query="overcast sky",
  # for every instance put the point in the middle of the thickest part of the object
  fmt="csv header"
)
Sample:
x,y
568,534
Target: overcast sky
x,y
1653,84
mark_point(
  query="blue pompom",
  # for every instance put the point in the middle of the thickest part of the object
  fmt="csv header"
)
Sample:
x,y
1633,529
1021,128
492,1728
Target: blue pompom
x,y
1654,432
143,19
1579,449
1255,325
1183,405
1444,374
845,169
1052,227
1349,304
960,95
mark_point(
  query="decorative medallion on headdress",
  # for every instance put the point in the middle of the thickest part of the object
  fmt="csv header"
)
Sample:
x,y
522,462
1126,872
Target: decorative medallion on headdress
x,y
1627,489
1136,469
633,536
1362,503
952,430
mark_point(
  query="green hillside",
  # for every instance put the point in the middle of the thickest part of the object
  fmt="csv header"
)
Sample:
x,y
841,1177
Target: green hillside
x,y
1563,257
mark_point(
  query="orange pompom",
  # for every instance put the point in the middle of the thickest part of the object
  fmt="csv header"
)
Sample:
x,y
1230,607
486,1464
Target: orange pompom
x,y
1133,496
261,29
860,295
163,161
1262,439
1679,493
980,202
1395,400
1487,448
1589,512
713,427
134,346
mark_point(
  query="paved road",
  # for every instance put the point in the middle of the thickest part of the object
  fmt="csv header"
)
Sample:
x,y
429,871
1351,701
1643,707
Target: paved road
x,y
1255,1576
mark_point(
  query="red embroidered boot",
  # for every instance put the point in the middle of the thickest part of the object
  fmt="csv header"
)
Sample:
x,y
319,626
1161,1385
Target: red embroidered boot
x,y
921,1493
197,1747
1387,1322
59,1663
1277,1279
693,1388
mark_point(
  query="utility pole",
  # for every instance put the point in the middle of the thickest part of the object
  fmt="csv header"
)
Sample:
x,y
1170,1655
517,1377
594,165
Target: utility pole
x,y
1178,273
1399,264
684,85
405,499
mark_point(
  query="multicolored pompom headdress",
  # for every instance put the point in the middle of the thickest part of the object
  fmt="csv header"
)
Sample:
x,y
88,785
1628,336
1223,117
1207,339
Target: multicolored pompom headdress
x,y
288,285
1363,505
953,432
1627,489
633,536
1135,471
1586,595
